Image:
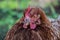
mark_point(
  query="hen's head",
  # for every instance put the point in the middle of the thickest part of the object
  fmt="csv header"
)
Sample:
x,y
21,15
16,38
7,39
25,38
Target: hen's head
x,y
34,17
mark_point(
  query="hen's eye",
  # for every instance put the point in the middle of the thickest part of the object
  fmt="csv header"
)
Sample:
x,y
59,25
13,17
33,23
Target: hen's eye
x,y
26,20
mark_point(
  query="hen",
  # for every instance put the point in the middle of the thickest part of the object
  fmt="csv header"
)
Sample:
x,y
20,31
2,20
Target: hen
x,y
34,25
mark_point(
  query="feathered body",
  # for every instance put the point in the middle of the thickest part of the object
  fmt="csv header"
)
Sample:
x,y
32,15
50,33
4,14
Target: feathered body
x,y
32,30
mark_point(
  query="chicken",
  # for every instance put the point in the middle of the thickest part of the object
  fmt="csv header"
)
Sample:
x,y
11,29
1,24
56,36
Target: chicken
x,y
34,25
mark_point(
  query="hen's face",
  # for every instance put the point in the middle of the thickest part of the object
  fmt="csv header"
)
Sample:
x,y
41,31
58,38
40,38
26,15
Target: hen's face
x,y
32,18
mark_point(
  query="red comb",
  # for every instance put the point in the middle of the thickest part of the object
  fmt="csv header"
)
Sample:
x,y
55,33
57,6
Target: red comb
x,y
28,10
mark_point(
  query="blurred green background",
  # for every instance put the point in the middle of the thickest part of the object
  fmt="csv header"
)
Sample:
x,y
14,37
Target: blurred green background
x,y
12,10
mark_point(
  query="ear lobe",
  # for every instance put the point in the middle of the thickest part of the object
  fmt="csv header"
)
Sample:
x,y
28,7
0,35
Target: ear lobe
x,y
39,16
